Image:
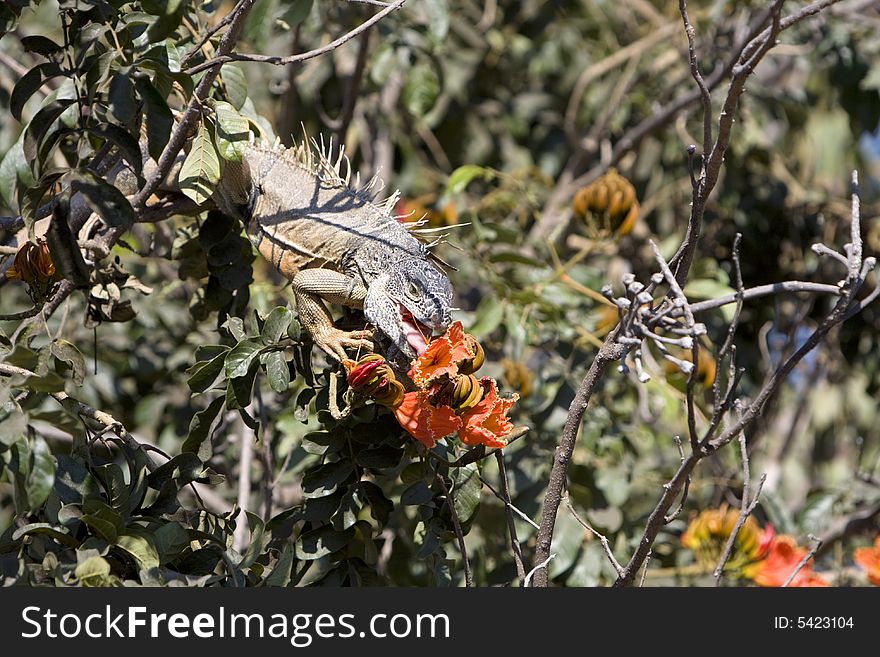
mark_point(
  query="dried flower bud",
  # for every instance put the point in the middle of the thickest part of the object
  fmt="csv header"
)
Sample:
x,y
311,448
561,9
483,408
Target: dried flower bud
x,y
468,392
33,264
471,365
608,205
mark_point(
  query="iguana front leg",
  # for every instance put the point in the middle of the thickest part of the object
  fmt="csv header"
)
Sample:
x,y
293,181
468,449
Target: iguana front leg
x,y
311,287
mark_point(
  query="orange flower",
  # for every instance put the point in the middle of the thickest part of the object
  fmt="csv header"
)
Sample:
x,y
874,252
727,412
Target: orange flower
x,y
449,398
868,558
443,356
424,421
781,561
487,423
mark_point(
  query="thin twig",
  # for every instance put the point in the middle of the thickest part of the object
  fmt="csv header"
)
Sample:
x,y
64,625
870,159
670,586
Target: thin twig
x,y
539,567
456,524
224,58
515,547
705,96
747,506
246,453
817,543
602,538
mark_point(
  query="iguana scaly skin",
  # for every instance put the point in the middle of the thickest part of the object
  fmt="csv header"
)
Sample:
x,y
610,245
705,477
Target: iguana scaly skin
x,y
336,244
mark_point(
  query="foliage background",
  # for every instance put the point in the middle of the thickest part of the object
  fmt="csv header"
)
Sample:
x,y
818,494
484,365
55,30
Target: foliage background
x,y
526,95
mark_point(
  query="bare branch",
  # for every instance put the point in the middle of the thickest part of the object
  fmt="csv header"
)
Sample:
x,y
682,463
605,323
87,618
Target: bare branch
x,y
456,524
224,57
515,547
609,353
246,453
705,96
602,538
747,506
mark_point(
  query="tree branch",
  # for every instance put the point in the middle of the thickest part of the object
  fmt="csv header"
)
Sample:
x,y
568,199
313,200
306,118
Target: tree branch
x,y
224,57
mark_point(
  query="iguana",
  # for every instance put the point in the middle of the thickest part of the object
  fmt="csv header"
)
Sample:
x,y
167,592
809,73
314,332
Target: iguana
x,y
336,244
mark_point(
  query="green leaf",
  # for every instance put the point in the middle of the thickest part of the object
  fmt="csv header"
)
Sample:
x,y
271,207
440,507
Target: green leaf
x,y
73,482
323,442
39,126
488,316
48,530
240,389
200,429
519,258
28,84
41,476
280,575
326,479
159,118
239,359
141,548
202,375
14,169
421,89
94,571
277,371
297,11
103,198
301,408
346,514
417,493
380,506
170,540
182,469
102,519
276,325
122,139
200,172
111,478
379,458
236,85
464,175
121,96
68,353
39,44
232,132
256,542
320,542
466,491
258,26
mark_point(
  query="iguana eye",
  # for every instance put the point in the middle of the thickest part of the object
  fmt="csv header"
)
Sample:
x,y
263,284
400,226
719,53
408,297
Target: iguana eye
x,y
412,290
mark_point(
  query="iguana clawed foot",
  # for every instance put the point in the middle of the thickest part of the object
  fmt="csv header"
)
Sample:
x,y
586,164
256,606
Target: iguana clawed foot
x,y
335,342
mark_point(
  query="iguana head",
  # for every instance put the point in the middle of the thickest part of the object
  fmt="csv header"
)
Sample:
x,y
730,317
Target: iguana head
x,y
408,302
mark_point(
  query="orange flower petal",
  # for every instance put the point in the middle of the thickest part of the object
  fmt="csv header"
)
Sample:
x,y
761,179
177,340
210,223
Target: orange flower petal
x,y
781,561
424,422
441,357
487,423
868,558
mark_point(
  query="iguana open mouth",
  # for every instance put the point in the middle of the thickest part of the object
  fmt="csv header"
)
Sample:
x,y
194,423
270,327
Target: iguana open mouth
x,y
414,331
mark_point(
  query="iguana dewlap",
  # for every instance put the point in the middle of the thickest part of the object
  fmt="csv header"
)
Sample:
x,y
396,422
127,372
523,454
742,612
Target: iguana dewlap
x,y
337,245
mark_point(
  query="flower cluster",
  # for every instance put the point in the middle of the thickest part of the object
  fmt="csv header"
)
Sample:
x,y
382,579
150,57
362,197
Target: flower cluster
x,y
448,397
371,377
707,536
608,205
761,555
33,265
451,399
